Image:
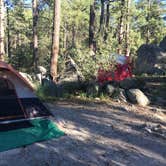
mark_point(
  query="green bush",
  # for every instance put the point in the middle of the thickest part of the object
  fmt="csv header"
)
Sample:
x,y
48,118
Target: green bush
x,y
87,63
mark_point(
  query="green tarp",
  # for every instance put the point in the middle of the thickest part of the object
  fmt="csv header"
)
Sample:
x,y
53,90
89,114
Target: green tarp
x,y
42,129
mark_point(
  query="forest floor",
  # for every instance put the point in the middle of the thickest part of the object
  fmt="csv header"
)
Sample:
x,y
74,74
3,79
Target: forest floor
x,y
98,134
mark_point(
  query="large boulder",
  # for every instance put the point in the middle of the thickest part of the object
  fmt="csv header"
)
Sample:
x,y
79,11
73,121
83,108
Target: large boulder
x,y
71,72
136,96
41,70
151,60
27,77
40,73
163,44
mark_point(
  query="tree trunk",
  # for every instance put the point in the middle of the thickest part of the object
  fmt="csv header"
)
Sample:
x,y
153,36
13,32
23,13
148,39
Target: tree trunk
x,y
8,34
147,20
92,43
101,29
121,28
127,33
55,40
107,21
2,49
73,36
35,34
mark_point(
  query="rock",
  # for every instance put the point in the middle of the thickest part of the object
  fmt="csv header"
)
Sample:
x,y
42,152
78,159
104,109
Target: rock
x,y
122,95
42,70
109,90
39,77
156,129
119,95
163,44
27,77
97,98
151,59
46,82
131,83
41,73
69,77
136,96
71,72
93,90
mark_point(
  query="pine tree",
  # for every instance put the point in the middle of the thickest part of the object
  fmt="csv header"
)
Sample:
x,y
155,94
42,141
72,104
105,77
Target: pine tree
x,y
2,35
35,13
55,41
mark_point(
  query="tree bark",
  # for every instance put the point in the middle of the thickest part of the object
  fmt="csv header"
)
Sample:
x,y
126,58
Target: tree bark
x,y
55,40
2,49
127,33
73,36
107,21
35,33
92,42
121,28
8,35
102,12
147,19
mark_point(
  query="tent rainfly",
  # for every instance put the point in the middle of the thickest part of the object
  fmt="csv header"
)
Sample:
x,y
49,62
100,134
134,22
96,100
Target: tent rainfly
x,y
17,98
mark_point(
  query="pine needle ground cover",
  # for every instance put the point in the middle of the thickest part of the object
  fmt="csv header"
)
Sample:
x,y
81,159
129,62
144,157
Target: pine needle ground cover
x,y
39,130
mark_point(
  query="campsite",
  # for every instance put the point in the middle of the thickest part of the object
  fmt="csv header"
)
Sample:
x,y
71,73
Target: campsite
x,y
82,83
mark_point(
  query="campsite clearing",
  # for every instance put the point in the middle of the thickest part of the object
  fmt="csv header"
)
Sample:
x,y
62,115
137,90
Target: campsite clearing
x,y
97,134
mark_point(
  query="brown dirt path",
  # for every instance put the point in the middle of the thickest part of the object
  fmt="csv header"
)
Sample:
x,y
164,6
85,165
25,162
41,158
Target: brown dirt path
x,y
97,134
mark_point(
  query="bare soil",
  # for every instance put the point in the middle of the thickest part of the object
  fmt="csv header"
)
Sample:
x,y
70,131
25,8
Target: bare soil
x,y
97,134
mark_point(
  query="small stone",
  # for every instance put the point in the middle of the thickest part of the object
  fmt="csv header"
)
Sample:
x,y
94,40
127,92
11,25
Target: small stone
x,y
122,95
109,90
98,99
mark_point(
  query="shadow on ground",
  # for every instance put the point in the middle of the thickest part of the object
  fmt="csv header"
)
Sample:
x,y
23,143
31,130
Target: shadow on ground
x,y
97,134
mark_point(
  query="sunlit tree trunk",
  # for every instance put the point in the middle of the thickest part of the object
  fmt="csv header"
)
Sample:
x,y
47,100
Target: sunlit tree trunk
x,y
35,33
55,40
2,49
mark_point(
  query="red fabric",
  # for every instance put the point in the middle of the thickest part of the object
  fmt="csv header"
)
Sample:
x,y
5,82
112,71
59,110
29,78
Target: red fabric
x,y
121,72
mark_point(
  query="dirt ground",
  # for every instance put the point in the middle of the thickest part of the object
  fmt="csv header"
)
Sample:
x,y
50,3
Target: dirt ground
x,y
97,134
